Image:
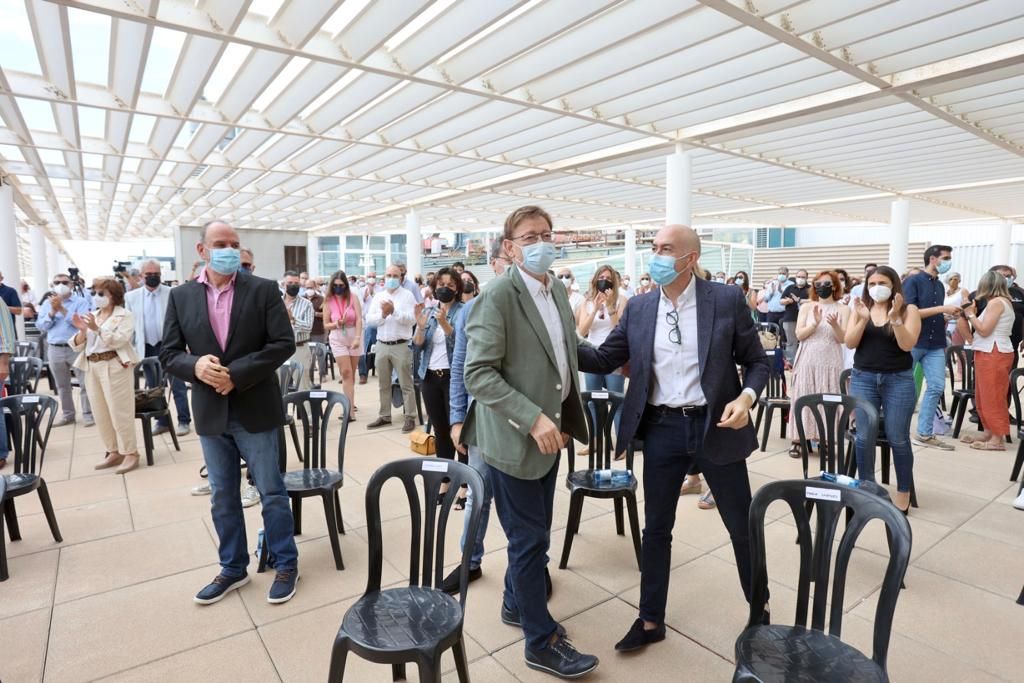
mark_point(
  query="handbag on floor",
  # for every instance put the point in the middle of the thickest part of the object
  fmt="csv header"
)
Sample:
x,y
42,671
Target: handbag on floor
x,y
422,443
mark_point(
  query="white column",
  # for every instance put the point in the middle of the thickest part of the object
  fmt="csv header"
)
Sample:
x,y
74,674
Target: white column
x,y
630,268
313,257
40,272
413,247
899,235
367,257
9,236
52,265
678,187
1001,246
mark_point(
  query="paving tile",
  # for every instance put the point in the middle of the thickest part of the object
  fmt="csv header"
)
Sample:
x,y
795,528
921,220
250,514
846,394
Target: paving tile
x,y
24,650
946,507
981,628
998,521
231,659
132,558
978,561
77,525
157,508
75,493
598,629
144,622
30,586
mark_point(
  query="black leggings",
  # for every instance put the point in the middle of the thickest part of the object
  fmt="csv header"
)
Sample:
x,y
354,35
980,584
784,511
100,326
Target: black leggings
x,y
436,399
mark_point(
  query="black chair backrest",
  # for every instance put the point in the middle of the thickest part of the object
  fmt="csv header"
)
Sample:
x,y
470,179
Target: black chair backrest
x,y
315,409
27,348
832,414
1015,390
844,381
149,373
289,375
29,422
769,327
428,535
830,500
25,372
958,355
776,385
604,403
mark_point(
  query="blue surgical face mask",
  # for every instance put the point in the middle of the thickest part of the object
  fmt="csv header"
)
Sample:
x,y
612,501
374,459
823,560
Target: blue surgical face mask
x,y
1009,281
225,261
944,266
663,268
538,257
782,277
391,283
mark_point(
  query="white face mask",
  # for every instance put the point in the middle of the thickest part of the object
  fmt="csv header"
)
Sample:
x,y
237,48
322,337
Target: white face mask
x,y
740,280
880,293
100,301
61,290
801,281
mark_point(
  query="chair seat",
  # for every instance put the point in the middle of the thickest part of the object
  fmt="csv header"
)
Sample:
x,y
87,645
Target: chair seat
x,y
297,480
587,479
19,482
794,654
402,618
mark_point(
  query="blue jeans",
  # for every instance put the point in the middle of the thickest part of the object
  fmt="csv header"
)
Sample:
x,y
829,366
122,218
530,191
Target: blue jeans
x,y
525,508
894,395
260,452
933,362
178,390
609,382
476,461
369,339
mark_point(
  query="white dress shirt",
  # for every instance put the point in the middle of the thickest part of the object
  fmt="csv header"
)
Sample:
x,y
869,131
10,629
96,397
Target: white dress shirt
x,y
548,309
676,380
153,324
399,324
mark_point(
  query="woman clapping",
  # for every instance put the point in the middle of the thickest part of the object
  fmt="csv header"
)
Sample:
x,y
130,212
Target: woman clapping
x,y
107,357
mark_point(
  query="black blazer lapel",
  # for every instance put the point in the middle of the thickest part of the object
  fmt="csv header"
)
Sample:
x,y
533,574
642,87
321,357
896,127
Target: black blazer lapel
x,y
705,320
242,289
201,309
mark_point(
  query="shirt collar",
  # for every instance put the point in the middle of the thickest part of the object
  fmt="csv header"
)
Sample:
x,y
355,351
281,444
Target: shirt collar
x,y
533,285
684,298
204,280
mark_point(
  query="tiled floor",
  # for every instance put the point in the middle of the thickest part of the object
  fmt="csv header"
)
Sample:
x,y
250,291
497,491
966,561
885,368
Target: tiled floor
x,y
114,601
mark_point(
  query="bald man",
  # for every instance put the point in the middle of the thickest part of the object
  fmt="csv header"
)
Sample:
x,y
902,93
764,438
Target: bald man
x,y
685,400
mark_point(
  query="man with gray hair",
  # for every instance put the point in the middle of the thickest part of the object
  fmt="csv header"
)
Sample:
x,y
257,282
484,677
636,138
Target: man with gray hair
x,y
393,312
148,305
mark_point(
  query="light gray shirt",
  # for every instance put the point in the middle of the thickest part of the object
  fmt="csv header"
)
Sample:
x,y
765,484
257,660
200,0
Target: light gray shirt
x,y
548,309
151,318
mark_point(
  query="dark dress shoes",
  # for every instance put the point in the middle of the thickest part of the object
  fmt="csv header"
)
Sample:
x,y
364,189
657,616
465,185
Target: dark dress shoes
x,y
560,658
639,637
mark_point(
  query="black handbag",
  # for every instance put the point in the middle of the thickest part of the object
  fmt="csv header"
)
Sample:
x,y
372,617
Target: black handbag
x,y
150,400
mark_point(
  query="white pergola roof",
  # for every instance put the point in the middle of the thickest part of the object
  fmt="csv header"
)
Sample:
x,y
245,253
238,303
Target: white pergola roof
x,y
123,119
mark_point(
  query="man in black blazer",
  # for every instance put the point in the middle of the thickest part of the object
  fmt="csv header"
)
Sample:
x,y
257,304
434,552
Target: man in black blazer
x,y
227,332
683,342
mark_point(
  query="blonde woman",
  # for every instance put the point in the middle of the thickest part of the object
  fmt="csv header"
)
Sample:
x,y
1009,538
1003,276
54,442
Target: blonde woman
x,y
596,317
107,356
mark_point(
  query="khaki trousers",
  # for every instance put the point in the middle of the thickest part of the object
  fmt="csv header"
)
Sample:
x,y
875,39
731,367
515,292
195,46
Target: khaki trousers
x,y
303,355
111,389
396,357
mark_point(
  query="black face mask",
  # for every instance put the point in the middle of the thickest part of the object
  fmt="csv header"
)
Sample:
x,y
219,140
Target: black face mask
x,y
339,289
292,290
467,287
152,280
604,285
824,291
444,294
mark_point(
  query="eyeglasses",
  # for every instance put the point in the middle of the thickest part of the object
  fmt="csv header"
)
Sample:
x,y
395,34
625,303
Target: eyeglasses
x,y
533,238
674,334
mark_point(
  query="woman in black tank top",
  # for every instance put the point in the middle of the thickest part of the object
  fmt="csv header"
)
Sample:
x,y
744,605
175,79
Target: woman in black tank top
x,y
883,330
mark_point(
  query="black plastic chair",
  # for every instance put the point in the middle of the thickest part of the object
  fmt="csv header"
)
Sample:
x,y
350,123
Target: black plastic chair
x,y
315,410
150,372
288,377
4,574
27,348
318,365
29,419
958,355
833,415
773,398
418,622
331,361
881,440
25,372
798,653
600,480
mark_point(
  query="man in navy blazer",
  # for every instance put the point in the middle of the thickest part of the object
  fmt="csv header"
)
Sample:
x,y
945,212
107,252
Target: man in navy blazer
x,y
683,342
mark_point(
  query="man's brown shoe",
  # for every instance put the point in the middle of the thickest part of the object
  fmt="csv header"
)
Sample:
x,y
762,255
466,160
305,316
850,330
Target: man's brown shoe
x,y
379,422
112,460
410,424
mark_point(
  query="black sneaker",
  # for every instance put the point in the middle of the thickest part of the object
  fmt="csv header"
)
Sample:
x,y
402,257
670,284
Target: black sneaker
x,y
561,659
219,587
510,617
450,584
283,587
638,637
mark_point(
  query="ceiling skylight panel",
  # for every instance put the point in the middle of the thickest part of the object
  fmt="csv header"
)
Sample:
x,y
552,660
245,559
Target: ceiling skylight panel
x,y
163,55
38,115
392,106
445,23
290,72
228,67
17,49
1002,32
363,90
297,95
90,45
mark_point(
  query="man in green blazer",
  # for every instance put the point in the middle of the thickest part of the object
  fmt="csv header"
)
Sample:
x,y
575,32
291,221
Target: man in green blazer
x,y
522,371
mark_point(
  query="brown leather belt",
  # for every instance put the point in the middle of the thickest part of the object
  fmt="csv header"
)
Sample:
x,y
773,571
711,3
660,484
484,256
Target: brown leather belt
x,y
104,355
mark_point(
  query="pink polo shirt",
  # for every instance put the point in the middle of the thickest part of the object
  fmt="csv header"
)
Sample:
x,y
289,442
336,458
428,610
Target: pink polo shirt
x,y
219,301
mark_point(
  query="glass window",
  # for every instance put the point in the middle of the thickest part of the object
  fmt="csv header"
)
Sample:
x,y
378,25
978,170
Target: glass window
x,y
352,266
379,243
328,243
354,242
329,261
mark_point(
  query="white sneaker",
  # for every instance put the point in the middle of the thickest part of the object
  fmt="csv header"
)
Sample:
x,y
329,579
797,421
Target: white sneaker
x,y
1019,502
250,496
202,489
182,430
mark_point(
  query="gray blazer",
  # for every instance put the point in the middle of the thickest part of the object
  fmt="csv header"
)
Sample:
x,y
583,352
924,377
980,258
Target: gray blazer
x,y
726,338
